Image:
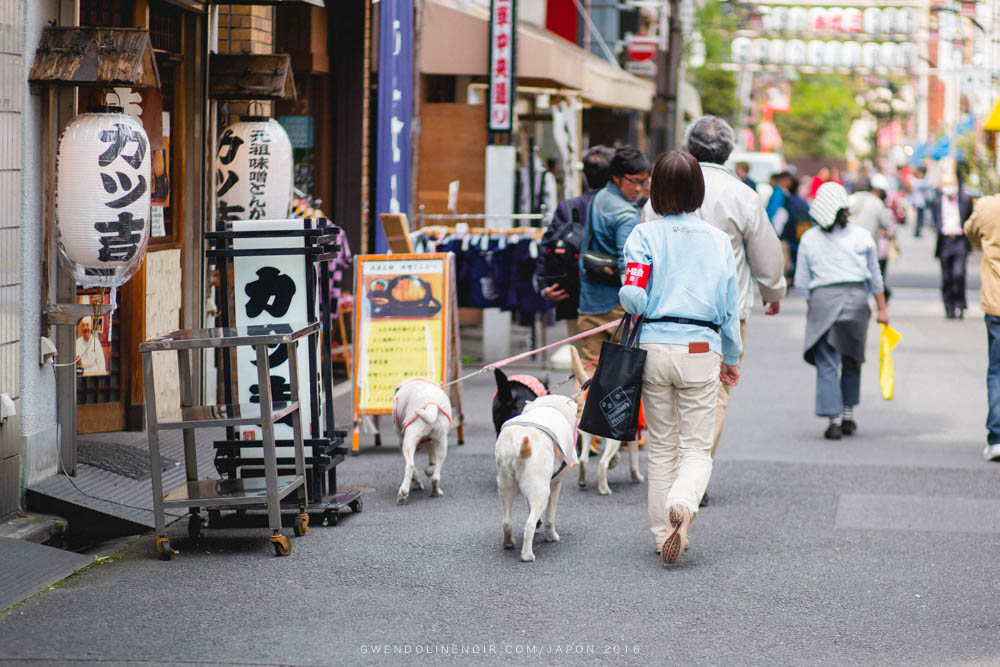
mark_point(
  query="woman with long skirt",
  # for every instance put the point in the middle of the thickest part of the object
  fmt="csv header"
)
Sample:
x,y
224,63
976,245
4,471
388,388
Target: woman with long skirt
x,y
838,263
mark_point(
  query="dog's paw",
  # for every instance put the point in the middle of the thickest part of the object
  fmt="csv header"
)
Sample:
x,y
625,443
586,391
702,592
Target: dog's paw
x,y
551,535
436,490
604,489
637,477
402,497
429,470
508,543
416,484
527,557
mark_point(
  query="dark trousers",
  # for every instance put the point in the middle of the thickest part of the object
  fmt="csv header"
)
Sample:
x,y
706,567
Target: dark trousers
x,y
921,213
838,379
993,380
953,255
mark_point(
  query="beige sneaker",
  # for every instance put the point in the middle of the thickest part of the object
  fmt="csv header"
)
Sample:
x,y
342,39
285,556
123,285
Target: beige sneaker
x,y
675,540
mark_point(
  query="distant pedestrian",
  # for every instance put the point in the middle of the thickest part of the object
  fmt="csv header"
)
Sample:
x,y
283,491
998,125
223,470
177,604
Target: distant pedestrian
x,y
868,211
743,173
682,279
558,278
921,194
983,228
821,177
839,267
950,210
610,218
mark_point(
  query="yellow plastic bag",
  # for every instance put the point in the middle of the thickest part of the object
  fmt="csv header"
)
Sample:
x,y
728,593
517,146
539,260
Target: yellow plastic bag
x,y
888,337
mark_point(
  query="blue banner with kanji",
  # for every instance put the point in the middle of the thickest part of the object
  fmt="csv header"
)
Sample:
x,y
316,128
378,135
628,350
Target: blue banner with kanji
x,y
395,113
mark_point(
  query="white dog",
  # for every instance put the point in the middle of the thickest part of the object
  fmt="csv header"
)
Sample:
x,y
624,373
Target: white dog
x,y
609,457
528,449
421,413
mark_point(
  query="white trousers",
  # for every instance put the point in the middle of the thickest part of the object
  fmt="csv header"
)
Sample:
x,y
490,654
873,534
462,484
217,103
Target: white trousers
x,y
679,391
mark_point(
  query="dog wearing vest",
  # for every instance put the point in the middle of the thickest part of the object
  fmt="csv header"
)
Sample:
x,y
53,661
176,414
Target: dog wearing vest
x,y
609,457
513,394
529,448
421,413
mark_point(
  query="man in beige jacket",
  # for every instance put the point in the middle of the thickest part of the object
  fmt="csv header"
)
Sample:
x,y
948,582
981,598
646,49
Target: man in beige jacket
x,y
733,207
983,228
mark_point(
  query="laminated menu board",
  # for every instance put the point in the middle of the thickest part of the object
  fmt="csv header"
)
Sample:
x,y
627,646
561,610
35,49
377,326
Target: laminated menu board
x,y
405,325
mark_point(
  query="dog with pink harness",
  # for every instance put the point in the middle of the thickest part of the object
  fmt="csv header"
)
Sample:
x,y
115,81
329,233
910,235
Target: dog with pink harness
x,y
421,414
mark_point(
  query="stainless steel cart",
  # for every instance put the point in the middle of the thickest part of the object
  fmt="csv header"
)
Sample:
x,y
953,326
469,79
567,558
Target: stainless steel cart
x,y
197,494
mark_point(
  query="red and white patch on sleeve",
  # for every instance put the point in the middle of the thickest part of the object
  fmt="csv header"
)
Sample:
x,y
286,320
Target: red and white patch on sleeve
x,y
637,274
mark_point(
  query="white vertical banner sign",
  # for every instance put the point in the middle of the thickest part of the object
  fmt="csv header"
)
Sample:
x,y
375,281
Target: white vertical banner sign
x,y
503,31
270,290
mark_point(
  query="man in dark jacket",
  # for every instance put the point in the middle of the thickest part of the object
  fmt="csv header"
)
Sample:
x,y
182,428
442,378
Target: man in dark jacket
x,y
951,209
566,293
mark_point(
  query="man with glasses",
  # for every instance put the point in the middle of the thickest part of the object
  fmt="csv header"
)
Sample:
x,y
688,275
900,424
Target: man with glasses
x,y
610,219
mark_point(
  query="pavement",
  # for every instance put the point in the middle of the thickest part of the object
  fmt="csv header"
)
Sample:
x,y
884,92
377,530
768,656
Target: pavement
x,y
878,549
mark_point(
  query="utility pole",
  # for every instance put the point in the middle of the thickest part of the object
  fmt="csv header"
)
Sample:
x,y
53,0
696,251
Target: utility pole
x,y
663,122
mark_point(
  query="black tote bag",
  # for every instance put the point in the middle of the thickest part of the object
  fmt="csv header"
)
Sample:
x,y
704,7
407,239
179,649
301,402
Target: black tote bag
x,y
612,406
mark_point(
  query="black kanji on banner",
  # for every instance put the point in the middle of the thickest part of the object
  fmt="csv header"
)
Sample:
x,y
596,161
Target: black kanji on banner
x,y
272,291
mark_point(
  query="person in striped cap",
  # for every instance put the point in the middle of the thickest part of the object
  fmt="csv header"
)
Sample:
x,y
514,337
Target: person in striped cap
x,y
838,264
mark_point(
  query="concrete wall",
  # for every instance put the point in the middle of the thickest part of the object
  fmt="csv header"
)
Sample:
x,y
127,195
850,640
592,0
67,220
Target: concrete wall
x,y
39,444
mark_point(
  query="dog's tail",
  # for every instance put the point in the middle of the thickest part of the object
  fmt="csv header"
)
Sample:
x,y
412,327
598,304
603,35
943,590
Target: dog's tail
x,y
579,372
428,413
525,447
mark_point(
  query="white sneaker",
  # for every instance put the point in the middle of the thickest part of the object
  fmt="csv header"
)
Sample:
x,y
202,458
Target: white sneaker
x,y
991,452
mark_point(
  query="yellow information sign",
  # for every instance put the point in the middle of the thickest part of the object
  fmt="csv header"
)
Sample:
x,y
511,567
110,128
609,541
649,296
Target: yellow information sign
x,y
404,326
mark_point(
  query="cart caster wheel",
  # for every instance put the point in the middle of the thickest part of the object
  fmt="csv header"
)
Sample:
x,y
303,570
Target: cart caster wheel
x,y
196,526
333,518
301,525
163,548
282,547
356,505
214,517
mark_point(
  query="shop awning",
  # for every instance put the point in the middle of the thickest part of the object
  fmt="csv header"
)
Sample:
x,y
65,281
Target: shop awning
x,y
250,77
455,42
992,123
95,57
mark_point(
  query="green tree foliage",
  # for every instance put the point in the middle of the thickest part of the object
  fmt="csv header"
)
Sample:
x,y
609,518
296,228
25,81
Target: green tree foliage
x,y
717,87
823,108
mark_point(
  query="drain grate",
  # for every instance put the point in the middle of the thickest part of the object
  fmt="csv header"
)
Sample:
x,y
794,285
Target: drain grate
x,y
120,459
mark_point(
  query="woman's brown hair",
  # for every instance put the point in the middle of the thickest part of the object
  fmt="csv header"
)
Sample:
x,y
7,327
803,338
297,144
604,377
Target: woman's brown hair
x,y
677,184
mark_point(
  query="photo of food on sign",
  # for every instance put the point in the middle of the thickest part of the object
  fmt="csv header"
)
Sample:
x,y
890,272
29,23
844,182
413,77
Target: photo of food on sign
x,y
402,296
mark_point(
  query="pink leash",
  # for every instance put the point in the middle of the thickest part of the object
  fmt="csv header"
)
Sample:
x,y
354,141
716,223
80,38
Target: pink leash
x,y
510,360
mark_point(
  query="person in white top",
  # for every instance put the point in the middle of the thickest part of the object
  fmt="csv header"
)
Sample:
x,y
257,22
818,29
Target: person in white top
x,y
838,265
951,209
89,353
733,207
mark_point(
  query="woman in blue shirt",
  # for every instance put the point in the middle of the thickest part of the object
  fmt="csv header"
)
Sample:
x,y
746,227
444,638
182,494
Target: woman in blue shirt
x,y
681,276
838,264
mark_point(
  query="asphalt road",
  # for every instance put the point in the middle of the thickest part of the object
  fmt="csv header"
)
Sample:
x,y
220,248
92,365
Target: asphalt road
x,y
879,549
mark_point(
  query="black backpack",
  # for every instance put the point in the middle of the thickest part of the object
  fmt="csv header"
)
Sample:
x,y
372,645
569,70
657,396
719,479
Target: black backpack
x,y
562,243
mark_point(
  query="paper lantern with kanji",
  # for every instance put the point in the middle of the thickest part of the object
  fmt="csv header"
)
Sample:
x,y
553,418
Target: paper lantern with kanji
x,y
102,197
254,170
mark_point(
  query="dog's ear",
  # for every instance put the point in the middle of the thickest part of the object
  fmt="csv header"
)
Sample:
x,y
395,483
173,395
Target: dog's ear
x,y
504,394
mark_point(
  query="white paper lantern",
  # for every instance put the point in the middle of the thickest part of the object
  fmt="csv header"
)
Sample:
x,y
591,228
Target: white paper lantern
x,y
835,19
759,51
853,20
254,170
887,55
814,53
103,181
817,19
873,21
831,54
741,50
871,55
795,52
798,20
850,54
776,52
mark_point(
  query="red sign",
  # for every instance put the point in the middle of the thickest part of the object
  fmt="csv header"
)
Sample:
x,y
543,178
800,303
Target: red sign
x,y
641,47
503,28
